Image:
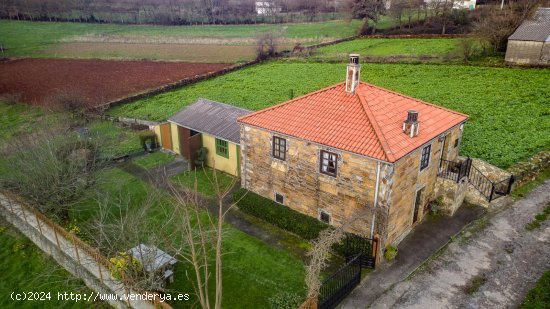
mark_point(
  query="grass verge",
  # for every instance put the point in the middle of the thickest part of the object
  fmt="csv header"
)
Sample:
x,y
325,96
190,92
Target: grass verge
x,y
539,296
204,179
153,160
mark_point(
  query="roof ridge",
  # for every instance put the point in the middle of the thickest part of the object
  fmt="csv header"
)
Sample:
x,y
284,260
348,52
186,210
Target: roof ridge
x,y
288,102
415,99
381,138
220,103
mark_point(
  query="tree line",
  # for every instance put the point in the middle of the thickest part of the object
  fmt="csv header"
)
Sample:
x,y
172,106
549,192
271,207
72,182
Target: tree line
x,y
171,12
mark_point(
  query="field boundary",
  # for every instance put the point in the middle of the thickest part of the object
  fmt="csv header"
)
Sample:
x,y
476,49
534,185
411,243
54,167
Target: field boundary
x,y
76,256
171,86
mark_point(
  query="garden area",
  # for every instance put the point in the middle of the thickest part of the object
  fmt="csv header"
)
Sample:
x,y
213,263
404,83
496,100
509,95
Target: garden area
x,y
255,273
508,107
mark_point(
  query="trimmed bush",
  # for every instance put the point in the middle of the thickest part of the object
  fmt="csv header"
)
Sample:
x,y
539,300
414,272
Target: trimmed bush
x,y
147,136
278,215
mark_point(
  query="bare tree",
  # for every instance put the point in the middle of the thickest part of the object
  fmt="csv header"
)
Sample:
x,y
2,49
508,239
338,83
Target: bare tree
x,y
321,251
201,233
368,10
266,45
51,168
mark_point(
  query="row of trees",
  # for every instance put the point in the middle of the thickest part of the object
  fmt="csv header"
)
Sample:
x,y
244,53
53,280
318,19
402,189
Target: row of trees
x,y
168,11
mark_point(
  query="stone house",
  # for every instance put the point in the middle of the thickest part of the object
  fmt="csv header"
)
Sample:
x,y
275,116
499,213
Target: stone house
x,y
209,124
530,43
351,152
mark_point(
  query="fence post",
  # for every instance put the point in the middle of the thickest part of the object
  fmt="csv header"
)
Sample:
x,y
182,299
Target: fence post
x,y
76,249
38,223
56,238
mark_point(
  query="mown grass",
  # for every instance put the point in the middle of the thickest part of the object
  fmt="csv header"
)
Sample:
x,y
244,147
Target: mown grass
x,y
390,47
509,108
204,179
539,296
114,141
153,160
25,268
252,271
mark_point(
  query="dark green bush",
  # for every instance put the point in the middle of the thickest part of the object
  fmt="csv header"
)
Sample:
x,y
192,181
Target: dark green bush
x,y
278,215
285,300
148,136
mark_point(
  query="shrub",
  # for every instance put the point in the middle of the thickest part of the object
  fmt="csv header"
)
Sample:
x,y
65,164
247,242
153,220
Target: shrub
x,y
285,301
278,215
390,253
146,138
123,263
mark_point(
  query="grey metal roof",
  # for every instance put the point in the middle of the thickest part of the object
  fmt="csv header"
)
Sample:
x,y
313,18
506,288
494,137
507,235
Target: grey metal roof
x,y
211,117
536,28
153,258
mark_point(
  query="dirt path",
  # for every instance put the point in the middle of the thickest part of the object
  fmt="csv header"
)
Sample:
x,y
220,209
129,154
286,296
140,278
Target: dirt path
x,y
494,268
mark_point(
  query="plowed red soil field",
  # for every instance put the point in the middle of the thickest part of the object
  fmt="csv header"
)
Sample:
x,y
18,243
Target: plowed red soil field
x,y
43,81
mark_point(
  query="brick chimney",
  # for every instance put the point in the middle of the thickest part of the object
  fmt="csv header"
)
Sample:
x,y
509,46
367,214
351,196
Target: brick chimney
x,y
353,72
411,125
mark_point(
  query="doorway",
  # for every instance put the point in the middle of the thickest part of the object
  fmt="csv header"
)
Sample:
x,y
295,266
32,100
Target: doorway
x,y
417,203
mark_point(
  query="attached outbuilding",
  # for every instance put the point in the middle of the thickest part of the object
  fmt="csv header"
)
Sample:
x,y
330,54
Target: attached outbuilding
x,y
530,43
207,125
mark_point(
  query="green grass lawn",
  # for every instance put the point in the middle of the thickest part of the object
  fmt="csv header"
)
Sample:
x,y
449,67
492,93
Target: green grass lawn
x,y
252,271
155,159
508,107
204,180
25,268
539,296
389,47
18,119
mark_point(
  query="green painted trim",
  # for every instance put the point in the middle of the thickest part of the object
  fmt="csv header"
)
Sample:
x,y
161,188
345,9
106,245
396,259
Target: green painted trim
x,y
226,146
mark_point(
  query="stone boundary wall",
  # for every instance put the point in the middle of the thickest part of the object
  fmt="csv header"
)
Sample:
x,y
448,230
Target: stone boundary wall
x,y
527,170
77,257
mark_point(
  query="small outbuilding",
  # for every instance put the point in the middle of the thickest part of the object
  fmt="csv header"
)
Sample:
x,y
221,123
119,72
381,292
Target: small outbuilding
x,y
530,43
207,125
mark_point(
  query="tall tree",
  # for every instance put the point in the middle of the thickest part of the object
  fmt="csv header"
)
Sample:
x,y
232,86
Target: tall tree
x,y
368,10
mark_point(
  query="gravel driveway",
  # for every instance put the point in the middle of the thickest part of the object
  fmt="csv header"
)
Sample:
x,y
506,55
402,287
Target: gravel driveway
x,y
493,268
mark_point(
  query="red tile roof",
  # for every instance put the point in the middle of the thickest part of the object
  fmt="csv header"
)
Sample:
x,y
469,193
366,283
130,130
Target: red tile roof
x,y
368,122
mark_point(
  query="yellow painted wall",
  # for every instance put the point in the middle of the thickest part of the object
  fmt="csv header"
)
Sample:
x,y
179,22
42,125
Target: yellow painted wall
x,y
227,165
156,129
175,138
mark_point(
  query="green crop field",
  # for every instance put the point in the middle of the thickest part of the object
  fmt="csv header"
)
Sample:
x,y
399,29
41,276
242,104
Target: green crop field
x,y
509,108
390,47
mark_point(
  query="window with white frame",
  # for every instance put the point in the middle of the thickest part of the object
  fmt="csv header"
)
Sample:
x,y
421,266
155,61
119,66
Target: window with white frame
x,y
329,163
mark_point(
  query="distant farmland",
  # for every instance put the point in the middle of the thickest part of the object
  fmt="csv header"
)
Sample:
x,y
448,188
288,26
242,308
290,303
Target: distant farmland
x,y
92,82
210,43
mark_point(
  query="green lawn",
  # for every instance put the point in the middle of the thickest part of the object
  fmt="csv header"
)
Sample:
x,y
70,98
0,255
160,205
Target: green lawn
x,y
508,107
204,180
18,119
25,268
155,159
253,271
389,47
539,296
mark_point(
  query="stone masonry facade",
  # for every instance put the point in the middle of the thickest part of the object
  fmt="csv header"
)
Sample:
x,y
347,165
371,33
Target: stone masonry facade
x,y
350,196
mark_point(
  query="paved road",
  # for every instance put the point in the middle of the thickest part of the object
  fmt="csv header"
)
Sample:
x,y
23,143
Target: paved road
x,y
494,268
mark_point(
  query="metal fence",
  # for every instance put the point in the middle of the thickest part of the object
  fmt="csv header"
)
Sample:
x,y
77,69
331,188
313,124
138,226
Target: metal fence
x,y
487,188
365,248
340,284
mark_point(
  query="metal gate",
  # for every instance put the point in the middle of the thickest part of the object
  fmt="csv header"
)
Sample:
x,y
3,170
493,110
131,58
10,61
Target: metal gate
x,y
336,287
365,248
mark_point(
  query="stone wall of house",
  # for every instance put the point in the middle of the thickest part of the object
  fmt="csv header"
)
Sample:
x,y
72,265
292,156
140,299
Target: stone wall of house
x,y
305,189
408,179
452,194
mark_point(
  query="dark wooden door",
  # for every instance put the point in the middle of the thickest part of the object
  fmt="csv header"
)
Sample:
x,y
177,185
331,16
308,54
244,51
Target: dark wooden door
x,y
166,136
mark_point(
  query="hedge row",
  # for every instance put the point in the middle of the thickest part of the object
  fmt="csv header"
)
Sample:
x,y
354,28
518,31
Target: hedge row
x,y
278,215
